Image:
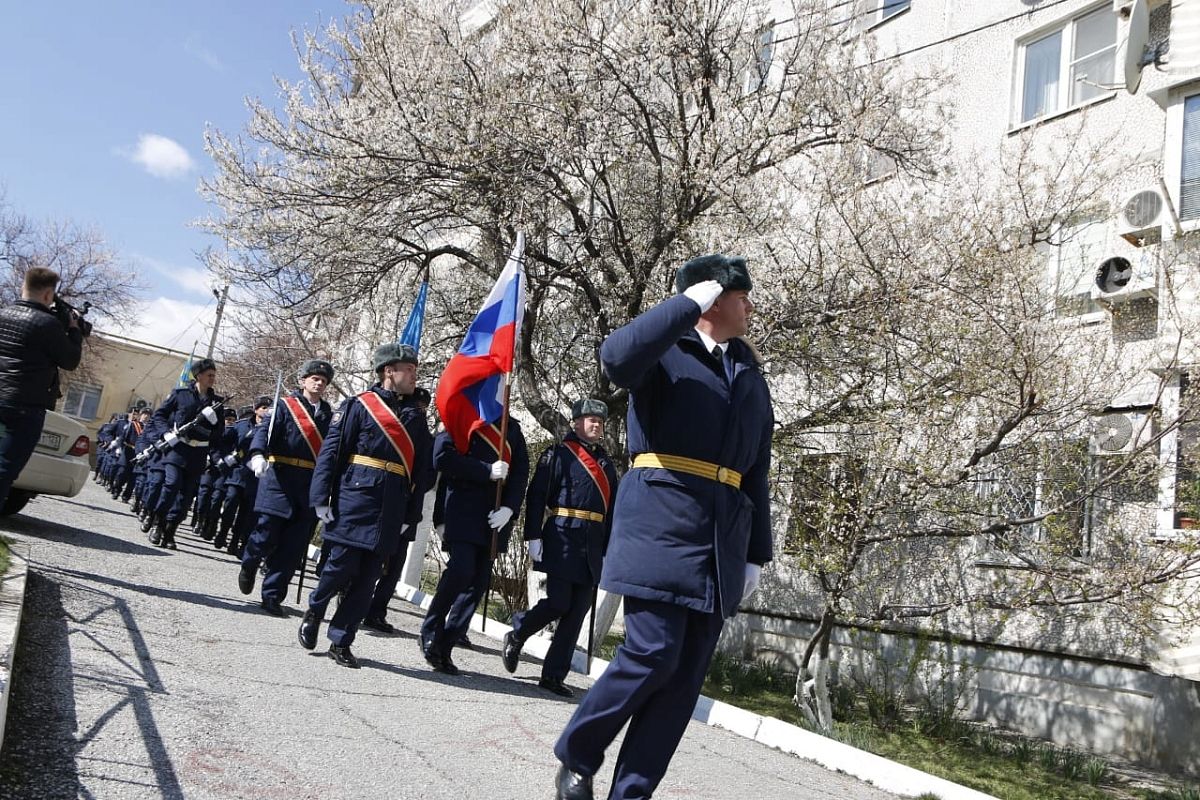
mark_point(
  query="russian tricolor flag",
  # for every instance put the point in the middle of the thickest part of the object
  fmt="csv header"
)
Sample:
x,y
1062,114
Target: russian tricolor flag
x,y
470,392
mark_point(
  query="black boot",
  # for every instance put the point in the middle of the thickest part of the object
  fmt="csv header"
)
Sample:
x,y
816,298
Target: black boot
x,y
246,579
222,535
148,523
556,687
309,627
169,539
136,510
158,537
342,656
511,652
572,785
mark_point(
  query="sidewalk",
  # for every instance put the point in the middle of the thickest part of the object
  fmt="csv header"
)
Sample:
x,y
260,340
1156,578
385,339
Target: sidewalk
x,y
143,673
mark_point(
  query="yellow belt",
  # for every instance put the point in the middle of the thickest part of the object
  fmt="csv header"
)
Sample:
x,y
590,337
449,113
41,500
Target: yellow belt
x,y
578,513
394,467
303,463
692,466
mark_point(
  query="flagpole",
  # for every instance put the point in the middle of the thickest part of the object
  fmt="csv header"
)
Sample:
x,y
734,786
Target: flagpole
x,y
487,592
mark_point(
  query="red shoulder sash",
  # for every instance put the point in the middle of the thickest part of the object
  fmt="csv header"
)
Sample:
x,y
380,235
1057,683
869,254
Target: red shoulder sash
x,y
593,468
393,429
491,434
304,421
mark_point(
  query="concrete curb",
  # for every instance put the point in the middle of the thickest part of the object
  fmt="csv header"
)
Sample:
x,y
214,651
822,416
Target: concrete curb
x,y
829,753
12,600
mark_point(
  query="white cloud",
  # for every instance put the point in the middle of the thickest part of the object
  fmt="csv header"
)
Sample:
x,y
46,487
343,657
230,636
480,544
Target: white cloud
x,y
195,280
178,324
162,157
208,57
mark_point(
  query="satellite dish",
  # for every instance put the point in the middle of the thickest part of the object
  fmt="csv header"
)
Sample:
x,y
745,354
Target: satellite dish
x,y
1131,50
1114,274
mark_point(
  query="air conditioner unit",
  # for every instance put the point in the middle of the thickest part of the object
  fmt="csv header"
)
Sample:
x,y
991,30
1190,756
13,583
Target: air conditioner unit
x,y
1119,432
1141,217
1120,278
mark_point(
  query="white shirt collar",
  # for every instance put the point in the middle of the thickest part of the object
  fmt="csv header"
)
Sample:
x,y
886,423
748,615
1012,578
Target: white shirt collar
x,y
709,342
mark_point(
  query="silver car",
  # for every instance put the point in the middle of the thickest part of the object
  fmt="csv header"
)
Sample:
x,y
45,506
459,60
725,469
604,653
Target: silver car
x,y
59,464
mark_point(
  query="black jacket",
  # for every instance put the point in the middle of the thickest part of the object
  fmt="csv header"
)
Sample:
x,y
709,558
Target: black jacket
x,y
33,345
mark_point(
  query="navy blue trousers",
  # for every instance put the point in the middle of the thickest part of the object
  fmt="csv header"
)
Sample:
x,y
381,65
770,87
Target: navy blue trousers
x,y
566,602
652,684
179,487
283,543
20,429
152,488
461,587
356,570
386,587
123,484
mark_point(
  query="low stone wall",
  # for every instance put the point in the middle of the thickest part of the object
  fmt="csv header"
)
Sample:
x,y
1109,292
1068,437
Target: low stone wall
x,y
1104,707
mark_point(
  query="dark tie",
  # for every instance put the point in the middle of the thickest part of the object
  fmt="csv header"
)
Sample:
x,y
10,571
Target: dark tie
x,y
717,354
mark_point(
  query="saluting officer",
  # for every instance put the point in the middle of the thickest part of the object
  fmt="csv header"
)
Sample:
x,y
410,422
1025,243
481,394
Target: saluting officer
x,y
288,444
691,525
566,525
371,476
470,517
184,462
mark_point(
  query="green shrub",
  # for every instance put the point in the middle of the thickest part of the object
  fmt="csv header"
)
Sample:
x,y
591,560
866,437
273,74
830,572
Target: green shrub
x,y
1095,770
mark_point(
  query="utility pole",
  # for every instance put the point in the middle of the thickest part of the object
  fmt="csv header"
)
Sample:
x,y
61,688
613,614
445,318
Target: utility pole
x,y
221,296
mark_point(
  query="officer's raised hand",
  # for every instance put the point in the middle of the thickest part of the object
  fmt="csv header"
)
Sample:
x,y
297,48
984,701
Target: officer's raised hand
x,y
258,465
535,549
704,293
499,473
499,518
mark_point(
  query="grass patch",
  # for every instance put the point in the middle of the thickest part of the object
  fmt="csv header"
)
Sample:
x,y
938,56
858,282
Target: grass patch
x,y
1008,767
5,560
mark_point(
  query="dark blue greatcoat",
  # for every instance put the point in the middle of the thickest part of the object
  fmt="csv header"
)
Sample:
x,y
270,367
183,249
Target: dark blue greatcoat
x,y
283,489
572,548
181,407
470,491
371,506
242,435
679,538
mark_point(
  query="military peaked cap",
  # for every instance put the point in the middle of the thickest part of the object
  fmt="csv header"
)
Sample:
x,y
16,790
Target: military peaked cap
x,y
729,271
589,407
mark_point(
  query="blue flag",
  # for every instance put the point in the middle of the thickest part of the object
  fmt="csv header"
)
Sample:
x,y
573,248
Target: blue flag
x,y
416,320
185,375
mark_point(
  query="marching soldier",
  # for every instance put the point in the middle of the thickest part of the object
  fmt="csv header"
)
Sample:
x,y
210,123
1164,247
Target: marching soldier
x,y
241,487
144,440
194,405
104,437
691,525
288,444
371,476
470,517
122,487
566,524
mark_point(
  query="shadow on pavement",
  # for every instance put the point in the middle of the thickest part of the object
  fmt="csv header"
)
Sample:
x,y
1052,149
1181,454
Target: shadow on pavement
x,y
208,600
57,532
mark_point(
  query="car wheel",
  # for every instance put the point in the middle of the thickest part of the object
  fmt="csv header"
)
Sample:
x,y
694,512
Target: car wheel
x,y
17,498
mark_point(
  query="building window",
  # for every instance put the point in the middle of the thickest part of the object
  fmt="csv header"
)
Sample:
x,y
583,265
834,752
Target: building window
x,y
1075,253
1189,164
1069,65
764,52
886,9
82,401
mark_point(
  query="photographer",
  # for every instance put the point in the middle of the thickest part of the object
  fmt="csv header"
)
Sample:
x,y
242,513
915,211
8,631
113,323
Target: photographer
x,y
37,336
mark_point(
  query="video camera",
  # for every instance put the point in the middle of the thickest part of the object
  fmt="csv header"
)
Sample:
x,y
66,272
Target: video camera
x,y
66,312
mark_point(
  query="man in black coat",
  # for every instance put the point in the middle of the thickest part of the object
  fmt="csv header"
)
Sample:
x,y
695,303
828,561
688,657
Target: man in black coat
x,y
566,524
34,343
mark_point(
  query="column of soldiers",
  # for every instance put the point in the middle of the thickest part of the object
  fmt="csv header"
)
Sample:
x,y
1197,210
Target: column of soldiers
x,y
690,527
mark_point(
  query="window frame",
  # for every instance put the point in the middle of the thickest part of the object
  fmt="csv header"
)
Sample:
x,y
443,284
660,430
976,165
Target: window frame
x,y
83,389
875,16
1065,29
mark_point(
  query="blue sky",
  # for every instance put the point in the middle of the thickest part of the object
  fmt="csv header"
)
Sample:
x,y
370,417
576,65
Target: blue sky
x,y
104,111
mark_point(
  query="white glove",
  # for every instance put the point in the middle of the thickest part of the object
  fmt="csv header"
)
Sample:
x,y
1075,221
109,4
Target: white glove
x,y
230,460
499,471
535,549
499,518
440,530
704,293
115,444
171,438
753,576
258,465
210,414
325,514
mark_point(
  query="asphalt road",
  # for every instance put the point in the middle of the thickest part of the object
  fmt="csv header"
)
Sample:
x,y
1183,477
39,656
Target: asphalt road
x,y
143,673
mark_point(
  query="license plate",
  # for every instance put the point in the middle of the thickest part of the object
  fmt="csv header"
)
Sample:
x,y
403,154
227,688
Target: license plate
x,y
51,441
